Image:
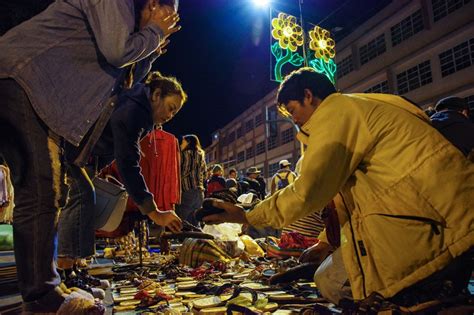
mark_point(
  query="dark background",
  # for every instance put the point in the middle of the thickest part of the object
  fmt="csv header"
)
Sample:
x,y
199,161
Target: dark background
x,y
222,53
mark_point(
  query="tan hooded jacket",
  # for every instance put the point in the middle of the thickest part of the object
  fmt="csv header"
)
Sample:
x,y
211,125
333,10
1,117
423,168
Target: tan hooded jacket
x,y
408,192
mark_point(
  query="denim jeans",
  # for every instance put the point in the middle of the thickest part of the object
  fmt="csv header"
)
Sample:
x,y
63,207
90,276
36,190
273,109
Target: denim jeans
x,y
76,230
34,160
191,200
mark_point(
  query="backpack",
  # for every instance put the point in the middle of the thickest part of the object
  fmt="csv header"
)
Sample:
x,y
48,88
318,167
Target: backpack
x,y
213,185
283,182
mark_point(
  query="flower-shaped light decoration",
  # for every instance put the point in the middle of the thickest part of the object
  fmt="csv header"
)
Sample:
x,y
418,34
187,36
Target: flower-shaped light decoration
x,y
288,33
322,44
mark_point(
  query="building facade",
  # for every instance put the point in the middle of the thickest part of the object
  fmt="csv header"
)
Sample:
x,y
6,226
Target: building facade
x,y
421,49
258,137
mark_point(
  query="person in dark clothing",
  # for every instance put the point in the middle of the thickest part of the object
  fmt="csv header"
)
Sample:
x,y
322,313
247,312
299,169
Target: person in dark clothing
x,y
137,111
58,72
452,121
216,182
253,183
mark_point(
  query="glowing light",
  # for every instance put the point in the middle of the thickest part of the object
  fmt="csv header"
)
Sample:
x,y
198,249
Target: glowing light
x,y
261,3
327,68
288,33
322,44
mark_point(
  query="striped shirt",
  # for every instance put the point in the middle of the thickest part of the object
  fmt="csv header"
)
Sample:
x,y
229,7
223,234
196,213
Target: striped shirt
x,y
310,225
193,170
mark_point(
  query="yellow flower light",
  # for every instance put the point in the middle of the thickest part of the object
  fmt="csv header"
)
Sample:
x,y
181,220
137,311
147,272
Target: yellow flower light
x,y
322,44
288,33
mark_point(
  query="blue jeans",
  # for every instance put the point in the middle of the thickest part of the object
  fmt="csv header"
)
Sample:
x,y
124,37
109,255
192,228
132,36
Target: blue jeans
x,y
76,230
191,200
34,161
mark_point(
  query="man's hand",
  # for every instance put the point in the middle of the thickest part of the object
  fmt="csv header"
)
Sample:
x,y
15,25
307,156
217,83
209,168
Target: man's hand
x,y
167,219
232,214
165,17
316,253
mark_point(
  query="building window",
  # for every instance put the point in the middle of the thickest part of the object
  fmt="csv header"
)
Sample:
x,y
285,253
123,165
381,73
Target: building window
x,y
231,160
240,156
415,77
272,143
272,117
287,136
231,137
470,102
249,153
260,148
249,125
442,8
345,66
457,58
372,49
381,87
240,132
258,120
407,28
273,168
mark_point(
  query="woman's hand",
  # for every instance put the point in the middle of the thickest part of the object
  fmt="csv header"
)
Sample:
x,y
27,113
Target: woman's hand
x,y
316,253
166,19
232,214
168,219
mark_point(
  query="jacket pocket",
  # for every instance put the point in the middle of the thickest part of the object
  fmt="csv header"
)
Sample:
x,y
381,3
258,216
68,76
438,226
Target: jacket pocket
x,y
404,200
396,246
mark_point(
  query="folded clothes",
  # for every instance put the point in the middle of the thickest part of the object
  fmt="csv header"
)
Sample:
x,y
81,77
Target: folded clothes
x,y
296,240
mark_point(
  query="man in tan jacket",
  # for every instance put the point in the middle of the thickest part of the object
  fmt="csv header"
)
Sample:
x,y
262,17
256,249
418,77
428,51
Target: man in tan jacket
x,y
405,195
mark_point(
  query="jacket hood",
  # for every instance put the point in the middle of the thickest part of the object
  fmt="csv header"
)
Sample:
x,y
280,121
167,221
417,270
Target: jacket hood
x,y
139,94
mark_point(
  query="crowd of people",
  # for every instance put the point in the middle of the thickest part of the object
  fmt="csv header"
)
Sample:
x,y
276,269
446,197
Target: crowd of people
x,y
387,190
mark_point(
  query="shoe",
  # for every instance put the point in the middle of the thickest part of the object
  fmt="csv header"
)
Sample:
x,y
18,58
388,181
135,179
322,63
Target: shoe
x,y
77,282
92,281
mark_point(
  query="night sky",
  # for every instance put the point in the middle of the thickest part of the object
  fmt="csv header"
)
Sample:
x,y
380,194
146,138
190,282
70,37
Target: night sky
x,y
220,55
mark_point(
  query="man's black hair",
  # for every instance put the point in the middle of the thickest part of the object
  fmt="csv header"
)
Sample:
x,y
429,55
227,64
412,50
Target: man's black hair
x,y
292,88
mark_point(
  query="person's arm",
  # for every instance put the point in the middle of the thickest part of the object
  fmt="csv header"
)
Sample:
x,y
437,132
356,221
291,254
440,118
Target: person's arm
x,y
203,170
338,142
127,128
113,23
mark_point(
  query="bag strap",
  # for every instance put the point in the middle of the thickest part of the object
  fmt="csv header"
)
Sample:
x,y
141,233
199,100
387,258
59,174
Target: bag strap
x,y
115,181
86,152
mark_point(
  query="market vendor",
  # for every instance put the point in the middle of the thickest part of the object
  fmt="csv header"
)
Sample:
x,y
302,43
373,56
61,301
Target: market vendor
x,y
405,194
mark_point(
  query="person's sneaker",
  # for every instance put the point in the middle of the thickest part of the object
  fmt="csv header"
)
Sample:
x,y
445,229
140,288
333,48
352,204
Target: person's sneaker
x,y
92,281
77,282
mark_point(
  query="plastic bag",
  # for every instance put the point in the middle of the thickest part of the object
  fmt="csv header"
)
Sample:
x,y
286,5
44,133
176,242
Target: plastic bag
x,y
227,237
251,247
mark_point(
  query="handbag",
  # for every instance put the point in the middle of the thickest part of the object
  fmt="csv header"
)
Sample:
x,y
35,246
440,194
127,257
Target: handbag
x,y
110,203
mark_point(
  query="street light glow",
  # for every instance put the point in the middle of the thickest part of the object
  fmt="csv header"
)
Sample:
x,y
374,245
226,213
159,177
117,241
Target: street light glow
x,y
261,3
